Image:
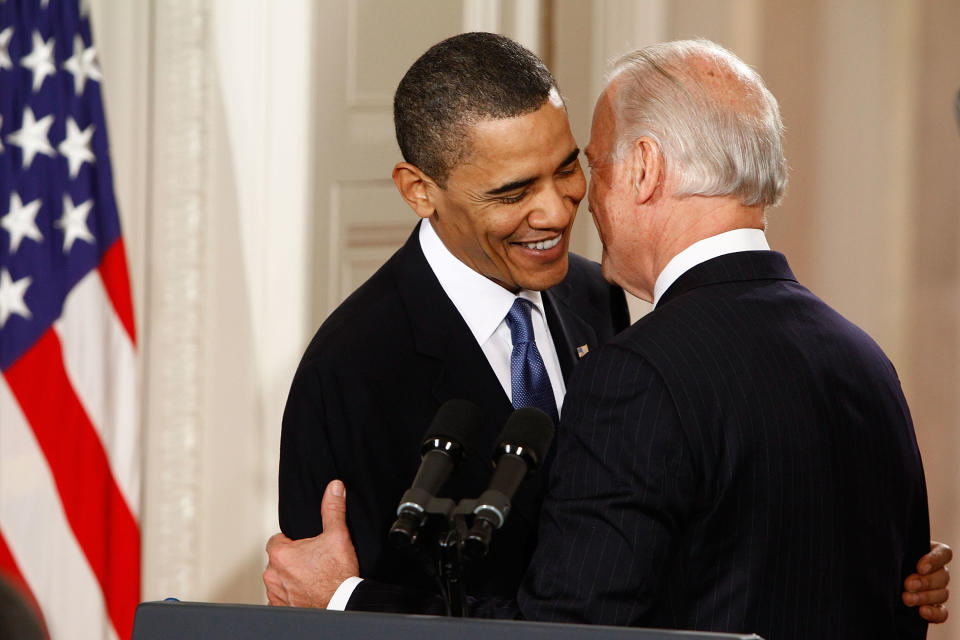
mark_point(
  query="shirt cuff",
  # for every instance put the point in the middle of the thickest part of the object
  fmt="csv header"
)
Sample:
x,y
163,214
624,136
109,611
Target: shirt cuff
x,y
342,595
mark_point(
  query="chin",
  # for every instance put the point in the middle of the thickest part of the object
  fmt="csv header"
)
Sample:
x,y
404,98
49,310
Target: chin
x,y
546,278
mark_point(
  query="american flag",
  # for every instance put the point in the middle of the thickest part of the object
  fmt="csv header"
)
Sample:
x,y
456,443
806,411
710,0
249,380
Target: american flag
x,y
69,428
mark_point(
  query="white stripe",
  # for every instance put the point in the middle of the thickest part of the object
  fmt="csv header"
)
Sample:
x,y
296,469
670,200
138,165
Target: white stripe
x,y
101,365
39,536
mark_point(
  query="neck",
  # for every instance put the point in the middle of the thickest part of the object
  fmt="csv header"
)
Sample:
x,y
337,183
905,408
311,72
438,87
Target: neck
x,y
694,218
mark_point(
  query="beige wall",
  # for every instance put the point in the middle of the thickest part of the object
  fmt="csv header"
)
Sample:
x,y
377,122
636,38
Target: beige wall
x,y
213,108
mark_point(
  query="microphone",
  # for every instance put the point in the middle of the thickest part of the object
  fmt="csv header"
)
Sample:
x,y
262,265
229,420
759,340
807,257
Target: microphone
x,y
452,432
523,444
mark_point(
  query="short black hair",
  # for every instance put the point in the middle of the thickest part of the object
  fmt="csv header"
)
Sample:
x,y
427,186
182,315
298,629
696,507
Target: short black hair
x,y
457,83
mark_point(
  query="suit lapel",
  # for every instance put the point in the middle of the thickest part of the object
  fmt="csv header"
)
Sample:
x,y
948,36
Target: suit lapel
x,y
441,333
569,330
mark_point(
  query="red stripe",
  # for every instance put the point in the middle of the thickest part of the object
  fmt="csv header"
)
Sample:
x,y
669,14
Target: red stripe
x,y
11,572
98,515
113,272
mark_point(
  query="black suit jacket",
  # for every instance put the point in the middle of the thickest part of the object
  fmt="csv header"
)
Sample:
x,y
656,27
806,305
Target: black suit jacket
x,y
371,381
741,459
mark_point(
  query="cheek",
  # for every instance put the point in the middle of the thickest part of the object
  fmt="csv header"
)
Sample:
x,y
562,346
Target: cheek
x,y
593,194
600,196
495,234
577,188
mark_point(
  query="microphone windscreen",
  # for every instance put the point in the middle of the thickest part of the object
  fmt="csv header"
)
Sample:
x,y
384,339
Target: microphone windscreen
x,y
528,427
456,420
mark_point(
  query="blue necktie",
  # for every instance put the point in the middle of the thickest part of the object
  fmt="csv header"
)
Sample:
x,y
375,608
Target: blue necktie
x,y
530,383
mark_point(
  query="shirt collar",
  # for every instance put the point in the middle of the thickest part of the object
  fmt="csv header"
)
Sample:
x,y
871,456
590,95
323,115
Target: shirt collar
x,y
482,303
707,249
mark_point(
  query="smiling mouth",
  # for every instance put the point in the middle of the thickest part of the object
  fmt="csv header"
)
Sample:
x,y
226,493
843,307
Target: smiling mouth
x,y
542,245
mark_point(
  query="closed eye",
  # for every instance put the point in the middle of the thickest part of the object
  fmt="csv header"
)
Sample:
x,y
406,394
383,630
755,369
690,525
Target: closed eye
x,y
513,199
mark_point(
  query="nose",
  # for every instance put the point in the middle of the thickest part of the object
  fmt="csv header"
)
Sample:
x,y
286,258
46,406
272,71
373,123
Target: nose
x,y
552,210
556,205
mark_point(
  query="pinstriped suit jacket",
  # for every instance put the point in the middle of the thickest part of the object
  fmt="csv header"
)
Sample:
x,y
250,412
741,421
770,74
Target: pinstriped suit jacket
x,y
741,459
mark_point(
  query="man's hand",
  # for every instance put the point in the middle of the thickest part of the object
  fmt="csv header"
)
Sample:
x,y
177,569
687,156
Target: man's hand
x,y
306,573
927,588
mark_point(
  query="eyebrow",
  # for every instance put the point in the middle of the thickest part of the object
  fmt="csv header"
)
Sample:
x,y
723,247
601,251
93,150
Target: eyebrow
x,y
520,184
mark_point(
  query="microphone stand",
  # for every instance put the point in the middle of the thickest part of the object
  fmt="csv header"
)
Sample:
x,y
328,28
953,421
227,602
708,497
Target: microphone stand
x,y
451,572
449,520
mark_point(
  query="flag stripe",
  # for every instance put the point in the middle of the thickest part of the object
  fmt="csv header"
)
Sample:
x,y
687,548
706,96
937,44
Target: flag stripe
x,y
11,572
8,566
113,270
102,372
100,519
33,519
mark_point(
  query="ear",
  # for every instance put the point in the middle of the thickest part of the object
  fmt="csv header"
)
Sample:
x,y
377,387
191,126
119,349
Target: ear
x,y
645,167
415,187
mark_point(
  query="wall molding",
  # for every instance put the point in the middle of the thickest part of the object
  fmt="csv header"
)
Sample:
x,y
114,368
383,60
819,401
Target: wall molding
x,y
177,274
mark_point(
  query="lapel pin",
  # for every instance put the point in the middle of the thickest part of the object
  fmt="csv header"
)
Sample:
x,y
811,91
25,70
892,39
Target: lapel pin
x,y
583,350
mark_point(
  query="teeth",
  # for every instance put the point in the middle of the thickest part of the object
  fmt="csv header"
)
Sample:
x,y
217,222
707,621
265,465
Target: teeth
x,y
543,244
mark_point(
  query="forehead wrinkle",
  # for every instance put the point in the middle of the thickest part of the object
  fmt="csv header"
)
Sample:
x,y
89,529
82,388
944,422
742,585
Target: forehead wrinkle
x,y
477,198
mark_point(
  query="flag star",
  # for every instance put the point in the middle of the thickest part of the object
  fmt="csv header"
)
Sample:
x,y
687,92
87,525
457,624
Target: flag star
x,y
21,221
40,60
82,65
5,35
76,146
11,296
32,137
74,223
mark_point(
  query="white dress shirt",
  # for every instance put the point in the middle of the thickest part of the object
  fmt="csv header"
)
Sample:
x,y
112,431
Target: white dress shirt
x,y
483,304
707,249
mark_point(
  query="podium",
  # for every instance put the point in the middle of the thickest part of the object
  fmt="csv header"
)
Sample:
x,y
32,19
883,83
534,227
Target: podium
x,y
190,620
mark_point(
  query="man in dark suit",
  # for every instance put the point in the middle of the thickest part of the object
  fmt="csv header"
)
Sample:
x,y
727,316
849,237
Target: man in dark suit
x,y
742,458
367,387
492,168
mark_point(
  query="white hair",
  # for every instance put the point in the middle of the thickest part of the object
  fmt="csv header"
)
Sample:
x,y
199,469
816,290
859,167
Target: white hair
x,y
711,145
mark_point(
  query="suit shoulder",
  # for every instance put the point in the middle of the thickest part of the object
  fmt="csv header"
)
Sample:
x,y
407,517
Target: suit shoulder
x,y
370,321
585,287
584,271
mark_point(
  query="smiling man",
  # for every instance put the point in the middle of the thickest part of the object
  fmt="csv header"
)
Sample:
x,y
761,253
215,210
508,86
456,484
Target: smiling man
x,y
506,211
492,169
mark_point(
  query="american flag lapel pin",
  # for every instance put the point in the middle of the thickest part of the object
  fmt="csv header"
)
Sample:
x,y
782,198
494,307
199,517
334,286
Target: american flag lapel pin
x,y
583,350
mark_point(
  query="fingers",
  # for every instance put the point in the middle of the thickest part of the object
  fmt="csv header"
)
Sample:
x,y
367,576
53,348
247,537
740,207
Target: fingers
x,y
333,508
276,594
936,580
934,613
929,597
275,541
940,554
